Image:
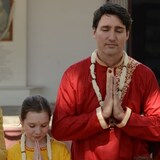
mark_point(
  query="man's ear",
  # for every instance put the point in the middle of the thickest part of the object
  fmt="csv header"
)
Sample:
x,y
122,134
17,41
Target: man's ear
x,y
127,35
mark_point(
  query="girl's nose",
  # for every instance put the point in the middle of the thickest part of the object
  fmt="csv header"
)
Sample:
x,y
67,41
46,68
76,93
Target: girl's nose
x,y
38,130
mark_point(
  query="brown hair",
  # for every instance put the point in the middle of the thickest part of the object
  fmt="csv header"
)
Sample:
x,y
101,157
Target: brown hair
x,y
35,103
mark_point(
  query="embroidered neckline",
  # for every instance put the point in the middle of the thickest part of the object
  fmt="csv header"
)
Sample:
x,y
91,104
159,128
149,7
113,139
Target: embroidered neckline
x,y
32,149
23,149
120,84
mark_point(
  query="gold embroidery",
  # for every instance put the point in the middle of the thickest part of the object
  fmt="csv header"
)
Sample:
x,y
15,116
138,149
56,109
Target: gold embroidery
x,y
132,64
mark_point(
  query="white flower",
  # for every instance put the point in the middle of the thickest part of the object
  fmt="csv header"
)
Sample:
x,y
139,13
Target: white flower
x,y
94,83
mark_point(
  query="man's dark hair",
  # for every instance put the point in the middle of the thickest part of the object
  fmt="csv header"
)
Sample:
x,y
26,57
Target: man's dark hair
x,y
114,9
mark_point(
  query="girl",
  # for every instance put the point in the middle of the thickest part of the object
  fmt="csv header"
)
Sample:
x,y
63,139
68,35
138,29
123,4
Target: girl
x,y
35,143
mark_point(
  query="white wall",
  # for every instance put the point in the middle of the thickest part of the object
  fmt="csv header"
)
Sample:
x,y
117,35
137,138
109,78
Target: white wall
x,y
59,33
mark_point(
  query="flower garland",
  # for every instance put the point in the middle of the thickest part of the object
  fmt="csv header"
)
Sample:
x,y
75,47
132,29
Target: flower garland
x,y
23,151
94,83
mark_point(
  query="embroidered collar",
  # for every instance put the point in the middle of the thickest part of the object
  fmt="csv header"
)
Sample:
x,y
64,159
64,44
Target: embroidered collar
x,y
23,150
94,58
103,64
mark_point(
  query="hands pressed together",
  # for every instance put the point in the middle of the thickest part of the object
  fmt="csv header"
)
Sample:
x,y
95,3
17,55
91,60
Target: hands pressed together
x,y
37,154
112,106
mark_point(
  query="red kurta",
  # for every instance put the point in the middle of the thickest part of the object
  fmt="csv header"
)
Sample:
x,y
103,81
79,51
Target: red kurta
x,y
75,113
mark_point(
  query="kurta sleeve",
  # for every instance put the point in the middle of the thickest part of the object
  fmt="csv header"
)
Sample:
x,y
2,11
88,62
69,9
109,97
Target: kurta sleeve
x,y
2,140
144,122
73,119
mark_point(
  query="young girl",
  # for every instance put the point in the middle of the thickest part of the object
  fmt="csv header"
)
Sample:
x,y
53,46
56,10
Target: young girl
x,y
35,143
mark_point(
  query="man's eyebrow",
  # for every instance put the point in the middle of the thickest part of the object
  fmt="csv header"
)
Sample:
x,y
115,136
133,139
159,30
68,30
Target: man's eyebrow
x,y
116,27
106,26
120,27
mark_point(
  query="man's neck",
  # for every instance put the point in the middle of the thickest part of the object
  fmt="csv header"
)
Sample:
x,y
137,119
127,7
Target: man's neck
x,y
111,60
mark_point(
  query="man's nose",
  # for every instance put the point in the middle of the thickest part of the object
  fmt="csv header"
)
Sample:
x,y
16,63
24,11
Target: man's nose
x,y
112,35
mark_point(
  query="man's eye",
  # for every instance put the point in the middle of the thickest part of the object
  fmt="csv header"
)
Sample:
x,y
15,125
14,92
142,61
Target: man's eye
x,y
105,29
119,30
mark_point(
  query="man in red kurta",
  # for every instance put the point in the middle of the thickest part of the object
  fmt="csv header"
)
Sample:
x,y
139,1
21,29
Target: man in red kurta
x,y
108,104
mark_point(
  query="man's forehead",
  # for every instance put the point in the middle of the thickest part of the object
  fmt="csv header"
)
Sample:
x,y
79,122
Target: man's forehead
x,y
111,20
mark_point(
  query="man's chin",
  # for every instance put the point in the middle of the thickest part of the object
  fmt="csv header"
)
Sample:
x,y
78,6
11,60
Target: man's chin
x,y
111,51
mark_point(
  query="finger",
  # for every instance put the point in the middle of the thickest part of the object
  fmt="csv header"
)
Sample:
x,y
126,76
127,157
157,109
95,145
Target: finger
x,y
39,156
36,150
115,93
109,85
108,101
109,92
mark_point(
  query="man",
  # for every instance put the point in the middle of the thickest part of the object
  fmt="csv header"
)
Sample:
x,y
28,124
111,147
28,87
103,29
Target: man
x,y
109,103
3,152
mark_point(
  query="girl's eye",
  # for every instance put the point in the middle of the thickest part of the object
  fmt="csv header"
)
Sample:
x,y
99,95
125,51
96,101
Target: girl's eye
x,y
31,126
44,125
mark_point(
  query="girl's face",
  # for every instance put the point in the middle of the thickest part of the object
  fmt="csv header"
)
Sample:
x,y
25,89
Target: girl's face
x,y
36,126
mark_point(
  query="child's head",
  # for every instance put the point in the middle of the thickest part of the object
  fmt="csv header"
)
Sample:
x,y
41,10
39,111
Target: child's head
x,y
35,103
35,116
